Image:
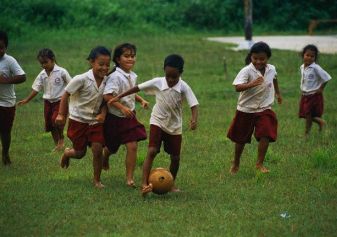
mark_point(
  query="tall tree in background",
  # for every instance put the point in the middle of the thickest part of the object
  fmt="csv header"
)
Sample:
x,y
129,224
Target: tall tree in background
x,y
248,6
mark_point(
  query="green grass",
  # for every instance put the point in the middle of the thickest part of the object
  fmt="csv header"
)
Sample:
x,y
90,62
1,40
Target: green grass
x,y
38,198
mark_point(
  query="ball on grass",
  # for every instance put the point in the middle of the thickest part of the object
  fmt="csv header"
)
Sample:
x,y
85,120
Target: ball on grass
x,y
161,180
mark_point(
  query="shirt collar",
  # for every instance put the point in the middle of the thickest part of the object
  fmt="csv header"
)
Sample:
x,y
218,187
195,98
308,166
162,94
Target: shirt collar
x,y
56,68
251,65
176,87
127,75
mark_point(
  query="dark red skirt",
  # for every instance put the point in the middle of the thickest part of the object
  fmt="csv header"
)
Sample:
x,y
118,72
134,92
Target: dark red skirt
x,y
311,105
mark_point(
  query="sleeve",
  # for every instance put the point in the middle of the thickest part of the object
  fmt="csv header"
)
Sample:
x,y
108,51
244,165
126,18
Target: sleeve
x,y
189,95
38,83
74,85
322,73
15,68
66,76
150,87
112,85
242,77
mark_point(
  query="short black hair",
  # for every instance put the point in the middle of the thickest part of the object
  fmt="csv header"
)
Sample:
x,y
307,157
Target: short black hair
x,y
259,47
99,50
119,50
312,48
46,53
4,37
176,61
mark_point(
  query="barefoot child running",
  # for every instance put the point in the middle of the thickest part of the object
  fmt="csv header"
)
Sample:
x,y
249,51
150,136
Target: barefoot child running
x,y
313,81
52,80
10,73
257,85
166,116
85,94
121,125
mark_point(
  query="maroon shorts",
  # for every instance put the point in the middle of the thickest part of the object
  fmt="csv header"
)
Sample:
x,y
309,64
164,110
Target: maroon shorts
x,y
311,105
119,131
172,143
83,134
7,115
50,113
243,125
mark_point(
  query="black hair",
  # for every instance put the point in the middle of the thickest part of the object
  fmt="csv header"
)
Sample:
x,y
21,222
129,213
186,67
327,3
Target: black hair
x,y
4,37
176,61
312,48
99,50
119,50
259,47
46,53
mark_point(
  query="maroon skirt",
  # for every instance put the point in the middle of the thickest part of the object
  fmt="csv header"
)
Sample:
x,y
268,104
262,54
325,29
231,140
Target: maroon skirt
x,y
312,105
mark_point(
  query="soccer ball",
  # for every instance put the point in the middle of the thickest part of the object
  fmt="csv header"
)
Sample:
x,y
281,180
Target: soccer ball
x,y
161,180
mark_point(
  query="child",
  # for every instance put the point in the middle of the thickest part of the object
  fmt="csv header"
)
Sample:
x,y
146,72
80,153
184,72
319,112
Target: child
x,y
10,73
313,81
166,116
256,83
121,125
85,94
52,80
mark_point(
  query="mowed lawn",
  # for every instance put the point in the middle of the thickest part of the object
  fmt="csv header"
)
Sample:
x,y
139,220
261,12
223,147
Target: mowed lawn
x,y
298,197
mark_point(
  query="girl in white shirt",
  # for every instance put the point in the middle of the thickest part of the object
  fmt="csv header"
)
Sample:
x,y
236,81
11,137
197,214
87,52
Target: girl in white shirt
x,y
313,82
51,80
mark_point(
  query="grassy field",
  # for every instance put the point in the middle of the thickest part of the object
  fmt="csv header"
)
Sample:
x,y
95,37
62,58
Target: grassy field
x,y
38,198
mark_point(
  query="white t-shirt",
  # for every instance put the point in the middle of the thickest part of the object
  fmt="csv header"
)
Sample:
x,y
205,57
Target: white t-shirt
x,y
258,98
9,67
312,77
120,81
86,98
52,85
167,112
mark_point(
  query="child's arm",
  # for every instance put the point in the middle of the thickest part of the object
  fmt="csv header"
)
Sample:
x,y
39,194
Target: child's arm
x,y
144,103
61,117
320,90
125,110
194,119
277,91
12,80
118,97
248,85
29,98
103,111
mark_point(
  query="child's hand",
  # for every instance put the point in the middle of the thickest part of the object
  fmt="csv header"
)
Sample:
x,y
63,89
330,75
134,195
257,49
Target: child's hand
x,y
100,118
257,82
60,119
279,98
127,112
145,104
193,124
113,100
22,102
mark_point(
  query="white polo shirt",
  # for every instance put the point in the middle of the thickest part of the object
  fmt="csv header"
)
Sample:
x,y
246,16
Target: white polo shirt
x,y
258,98
85,97
118,82
167,112
9,67
312,77
52,85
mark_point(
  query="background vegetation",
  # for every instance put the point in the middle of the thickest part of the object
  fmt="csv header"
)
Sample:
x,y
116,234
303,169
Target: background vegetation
x,y
220,15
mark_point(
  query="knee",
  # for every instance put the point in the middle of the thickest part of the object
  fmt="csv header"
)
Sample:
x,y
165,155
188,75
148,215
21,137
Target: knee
x,y
132,147
80,154
152,152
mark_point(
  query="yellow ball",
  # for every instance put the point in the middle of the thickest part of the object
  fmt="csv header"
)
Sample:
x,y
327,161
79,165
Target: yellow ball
x,y
161,180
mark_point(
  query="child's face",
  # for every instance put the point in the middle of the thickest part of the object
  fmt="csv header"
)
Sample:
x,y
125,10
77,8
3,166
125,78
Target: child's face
x,y
309,57
2,48
172,76
47,63
259,60
100,66
127,60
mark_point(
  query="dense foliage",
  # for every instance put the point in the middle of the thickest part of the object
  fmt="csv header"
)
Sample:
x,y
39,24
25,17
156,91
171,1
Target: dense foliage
x,y
224,15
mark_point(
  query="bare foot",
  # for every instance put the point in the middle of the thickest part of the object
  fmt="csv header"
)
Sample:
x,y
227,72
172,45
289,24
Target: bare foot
x,y
98,184
6,160
234,169
64,162
174,189
321,124
262,169
146,189
131,184
105,161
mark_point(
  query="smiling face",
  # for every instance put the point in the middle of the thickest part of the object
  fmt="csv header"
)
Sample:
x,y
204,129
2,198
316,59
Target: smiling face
x,y
127,60
172,75
100,66
47,63
309,57
259,60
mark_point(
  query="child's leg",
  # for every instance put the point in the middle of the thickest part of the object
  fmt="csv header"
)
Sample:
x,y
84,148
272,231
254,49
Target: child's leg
x,y
70,153
151,154
105,158
58,137
320,122
6,142
174,167
237,155
262,150
97,163
130,162
308,124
